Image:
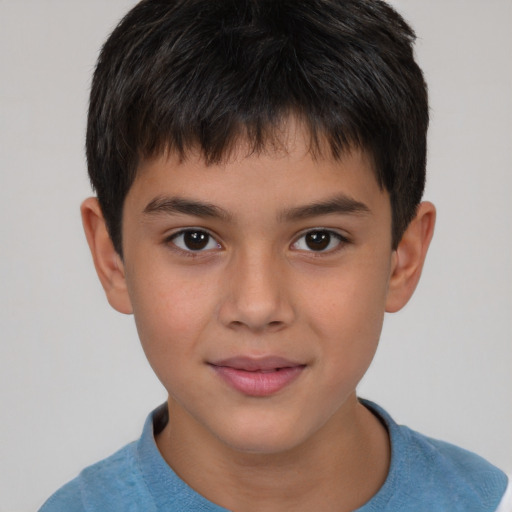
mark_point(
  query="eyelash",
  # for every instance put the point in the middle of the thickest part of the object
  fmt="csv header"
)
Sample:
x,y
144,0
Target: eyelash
x,y
332,235
171,241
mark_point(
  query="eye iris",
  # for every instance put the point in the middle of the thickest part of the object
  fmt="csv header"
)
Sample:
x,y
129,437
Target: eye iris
x,y
318,240
196,240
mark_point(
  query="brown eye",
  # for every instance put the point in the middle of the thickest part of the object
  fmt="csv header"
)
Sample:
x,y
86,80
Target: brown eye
x,y
194,240
318,240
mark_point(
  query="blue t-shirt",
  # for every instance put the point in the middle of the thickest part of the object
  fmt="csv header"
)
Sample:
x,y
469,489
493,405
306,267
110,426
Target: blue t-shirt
x,y
425,475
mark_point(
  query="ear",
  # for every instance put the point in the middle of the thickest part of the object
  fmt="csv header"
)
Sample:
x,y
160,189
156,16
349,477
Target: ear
x,y
109,265
409,257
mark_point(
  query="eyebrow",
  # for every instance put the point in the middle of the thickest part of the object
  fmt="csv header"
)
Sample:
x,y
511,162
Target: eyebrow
x,y
177,205
340,204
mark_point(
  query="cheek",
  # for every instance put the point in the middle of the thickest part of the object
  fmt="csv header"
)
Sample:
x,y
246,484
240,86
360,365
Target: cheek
x,y
170,313
347,314
351,299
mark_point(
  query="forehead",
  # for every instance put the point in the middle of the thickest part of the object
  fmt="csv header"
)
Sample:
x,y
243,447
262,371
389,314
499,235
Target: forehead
x,y
274,182
291,137
288,141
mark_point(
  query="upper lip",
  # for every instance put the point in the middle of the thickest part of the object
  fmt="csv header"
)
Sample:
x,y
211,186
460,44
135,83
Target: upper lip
x,y
254,364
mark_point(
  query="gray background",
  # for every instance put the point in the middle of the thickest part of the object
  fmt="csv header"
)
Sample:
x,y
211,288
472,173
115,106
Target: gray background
x,y
74,384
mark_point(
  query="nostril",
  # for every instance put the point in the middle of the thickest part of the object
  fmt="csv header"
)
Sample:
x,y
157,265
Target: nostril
x,y
272,326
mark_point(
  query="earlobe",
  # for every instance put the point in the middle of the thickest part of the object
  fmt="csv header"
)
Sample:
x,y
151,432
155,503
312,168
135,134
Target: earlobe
x,y
108,263
409,257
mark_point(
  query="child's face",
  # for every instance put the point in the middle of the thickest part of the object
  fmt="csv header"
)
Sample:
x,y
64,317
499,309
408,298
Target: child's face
x,y
265,262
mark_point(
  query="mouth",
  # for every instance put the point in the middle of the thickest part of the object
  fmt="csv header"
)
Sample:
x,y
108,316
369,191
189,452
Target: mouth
x,y
258,377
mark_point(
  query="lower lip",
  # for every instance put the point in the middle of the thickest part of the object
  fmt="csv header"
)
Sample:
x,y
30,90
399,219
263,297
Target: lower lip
x,y
258,383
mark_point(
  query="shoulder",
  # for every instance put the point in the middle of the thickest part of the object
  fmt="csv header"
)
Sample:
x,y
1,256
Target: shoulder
x,y
431,475
67,498
110,484
459,476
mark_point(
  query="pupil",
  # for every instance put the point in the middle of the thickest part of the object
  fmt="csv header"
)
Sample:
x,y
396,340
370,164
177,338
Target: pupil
x,y
318,240
196,240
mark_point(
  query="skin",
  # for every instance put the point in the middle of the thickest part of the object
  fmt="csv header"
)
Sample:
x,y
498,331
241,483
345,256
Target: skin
x,y
258,289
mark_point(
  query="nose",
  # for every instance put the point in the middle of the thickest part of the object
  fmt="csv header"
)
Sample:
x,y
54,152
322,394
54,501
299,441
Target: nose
x,y
256,295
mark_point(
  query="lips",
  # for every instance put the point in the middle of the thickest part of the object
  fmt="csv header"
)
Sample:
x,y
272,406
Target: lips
x,y
258,377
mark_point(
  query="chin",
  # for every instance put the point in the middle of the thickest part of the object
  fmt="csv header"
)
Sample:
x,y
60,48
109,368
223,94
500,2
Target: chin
x,y
262,445
260,437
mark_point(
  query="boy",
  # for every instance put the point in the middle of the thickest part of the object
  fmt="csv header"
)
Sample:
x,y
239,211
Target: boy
x,y
259,167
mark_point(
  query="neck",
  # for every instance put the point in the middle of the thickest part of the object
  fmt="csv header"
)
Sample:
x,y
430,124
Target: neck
x,y
340,468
